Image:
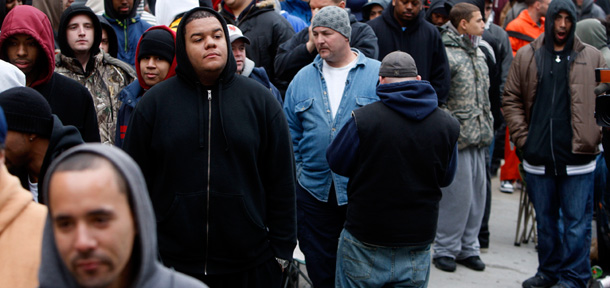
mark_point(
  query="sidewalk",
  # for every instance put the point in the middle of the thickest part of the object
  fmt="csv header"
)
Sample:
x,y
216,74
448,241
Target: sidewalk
x,y
506,264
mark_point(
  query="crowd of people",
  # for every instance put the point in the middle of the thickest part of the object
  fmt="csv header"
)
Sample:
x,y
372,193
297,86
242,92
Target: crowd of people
x,y
195,143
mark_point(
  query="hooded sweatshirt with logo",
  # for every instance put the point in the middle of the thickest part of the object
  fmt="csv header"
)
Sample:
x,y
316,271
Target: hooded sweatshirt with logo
x,y
131,95
69,100
128,30
149,272
105,76
218,161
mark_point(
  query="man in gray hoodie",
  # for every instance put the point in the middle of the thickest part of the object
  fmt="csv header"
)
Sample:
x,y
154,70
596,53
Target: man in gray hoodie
x,y
101,228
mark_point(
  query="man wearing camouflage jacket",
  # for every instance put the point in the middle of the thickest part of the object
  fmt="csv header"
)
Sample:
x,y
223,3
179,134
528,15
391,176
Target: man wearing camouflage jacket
x,y
462,207
80,33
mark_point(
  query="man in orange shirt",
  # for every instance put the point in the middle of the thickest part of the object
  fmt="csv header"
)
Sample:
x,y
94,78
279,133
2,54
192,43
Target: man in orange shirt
x,y
528,25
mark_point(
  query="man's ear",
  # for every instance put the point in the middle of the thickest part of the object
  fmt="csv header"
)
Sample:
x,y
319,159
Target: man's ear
x,y
463,23
341,4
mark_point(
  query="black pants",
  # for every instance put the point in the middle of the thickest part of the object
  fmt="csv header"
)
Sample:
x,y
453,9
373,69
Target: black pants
x,y
319,226
268,274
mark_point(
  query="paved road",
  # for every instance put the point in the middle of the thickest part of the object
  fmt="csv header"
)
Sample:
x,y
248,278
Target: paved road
x,y
507,264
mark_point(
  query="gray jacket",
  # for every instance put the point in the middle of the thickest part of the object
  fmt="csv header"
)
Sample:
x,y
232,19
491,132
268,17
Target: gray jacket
x,y
150,273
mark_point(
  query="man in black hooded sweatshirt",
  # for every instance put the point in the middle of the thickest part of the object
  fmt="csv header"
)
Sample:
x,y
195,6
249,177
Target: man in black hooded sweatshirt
x,y
217,158
548,106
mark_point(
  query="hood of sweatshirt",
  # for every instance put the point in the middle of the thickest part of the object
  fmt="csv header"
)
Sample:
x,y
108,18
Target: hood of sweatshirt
x,y
555,7
592,32
167,10
25,19
413,99
148,271
172,68
10,77
184,68
435,4
113,41
68,14
110,12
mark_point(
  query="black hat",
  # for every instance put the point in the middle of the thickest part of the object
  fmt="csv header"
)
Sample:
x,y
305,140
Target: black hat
x,y
27,111
398,64
158,42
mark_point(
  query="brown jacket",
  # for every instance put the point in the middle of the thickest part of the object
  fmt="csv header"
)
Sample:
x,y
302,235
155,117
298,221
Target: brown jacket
x,y
520,93
21,225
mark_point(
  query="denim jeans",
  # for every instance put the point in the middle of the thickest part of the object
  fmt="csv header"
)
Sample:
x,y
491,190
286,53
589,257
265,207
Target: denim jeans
x,y
364,265
563,254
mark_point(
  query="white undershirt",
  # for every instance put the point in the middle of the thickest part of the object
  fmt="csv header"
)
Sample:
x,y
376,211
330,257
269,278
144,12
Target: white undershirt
x,y
33,189
335,79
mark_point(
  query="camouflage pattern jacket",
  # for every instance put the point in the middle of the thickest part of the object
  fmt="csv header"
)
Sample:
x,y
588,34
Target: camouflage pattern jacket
x,y
107,78
468,99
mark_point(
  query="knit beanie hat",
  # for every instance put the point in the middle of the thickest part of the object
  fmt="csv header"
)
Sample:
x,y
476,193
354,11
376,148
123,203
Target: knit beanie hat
x,y
27,111
158,42
398,64
335,18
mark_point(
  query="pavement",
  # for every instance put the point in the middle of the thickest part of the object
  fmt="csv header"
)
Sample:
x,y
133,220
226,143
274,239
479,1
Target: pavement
x,y
507,265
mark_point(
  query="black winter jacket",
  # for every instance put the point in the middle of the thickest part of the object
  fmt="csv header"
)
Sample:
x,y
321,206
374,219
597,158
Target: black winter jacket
x,y
423,41
293,55
219,159
267,30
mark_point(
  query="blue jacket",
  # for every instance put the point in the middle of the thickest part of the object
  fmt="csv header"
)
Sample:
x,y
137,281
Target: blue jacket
x,y
312,126
129,97
128,32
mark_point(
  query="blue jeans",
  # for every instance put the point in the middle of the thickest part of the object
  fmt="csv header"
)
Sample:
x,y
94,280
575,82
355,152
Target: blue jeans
x,y
563,254
364,265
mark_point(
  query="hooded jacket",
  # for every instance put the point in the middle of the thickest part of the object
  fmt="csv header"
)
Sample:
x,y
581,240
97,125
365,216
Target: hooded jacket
x,y
113,44
293,55
150,273
21,224
393,201
468,98
104,76
131,95
260,75
267,30
128,30
422,41
589,10
593,32
521,97
69,100
62,138
434,4
219,163
11,76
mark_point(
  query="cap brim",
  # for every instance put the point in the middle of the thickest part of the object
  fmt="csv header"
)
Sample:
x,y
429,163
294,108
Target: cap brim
x,y
235,37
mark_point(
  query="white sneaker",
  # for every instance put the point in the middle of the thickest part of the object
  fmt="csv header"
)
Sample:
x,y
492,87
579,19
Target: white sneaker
x,y
506,187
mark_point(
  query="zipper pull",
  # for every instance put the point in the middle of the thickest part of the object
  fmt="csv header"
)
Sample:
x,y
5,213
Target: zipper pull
x,y
209,95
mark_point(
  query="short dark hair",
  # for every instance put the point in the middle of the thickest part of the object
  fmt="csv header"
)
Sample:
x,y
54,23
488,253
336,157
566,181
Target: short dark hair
x,y
89,161
199,14
462,11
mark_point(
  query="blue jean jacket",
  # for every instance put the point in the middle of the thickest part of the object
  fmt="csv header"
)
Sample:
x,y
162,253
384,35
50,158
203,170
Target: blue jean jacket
x,y
312,126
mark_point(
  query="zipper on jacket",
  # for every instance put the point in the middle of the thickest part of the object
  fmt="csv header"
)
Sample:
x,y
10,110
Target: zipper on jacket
x,y
125,34
207,210
551,125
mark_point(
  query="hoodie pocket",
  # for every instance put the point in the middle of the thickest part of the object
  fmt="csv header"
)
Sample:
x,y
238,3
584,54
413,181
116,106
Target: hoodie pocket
x,y
234,231
181,230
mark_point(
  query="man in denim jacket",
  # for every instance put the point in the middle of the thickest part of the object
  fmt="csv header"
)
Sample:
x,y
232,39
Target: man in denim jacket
x,y
319,101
